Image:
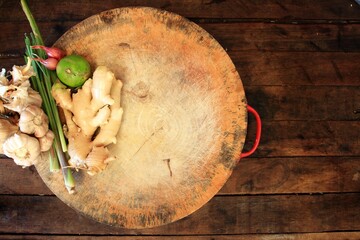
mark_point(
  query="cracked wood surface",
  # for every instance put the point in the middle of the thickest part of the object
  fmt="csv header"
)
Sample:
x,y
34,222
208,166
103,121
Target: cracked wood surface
x,y
183,100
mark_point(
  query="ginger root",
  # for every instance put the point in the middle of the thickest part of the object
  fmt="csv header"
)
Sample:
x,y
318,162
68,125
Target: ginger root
x,y
93,117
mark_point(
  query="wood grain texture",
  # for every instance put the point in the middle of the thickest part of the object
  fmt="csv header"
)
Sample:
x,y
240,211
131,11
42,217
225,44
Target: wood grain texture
x,y
286,37
285,10
243,37
307,138
17,180
184,120
298,61
294,175
293,236
222,215
250,176
297,69
305,102
281,68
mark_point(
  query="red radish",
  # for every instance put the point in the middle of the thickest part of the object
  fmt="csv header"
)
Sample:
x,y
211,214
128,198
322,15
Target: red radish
x,y
52,52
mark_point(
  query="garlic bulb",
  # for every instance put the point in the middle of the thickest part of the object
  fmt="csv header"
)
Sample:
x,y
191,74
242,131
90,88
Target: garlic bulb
x,y
9,92
14,97
6,130
46,141
33,120
34,98
22,73
22,148
19,97
19,94
3,79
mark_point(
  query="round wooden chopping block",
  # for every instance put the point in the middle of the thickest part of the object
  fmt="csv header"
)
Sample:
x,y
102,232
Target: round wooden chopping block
x,y
184,121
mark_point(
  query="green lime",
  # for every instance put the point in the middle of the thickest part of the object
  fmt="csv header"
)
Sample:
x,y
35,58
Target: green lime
x,y
73,70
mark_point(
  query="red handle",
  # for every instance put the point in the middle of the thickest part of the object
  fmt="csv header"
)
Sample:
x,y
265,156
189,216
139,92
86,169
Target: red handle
x,y
258,132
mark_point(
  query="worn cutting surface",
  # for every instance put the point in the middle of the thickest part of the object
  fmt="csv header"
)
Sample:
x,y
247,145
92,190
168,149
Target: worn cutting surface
x,y
184,121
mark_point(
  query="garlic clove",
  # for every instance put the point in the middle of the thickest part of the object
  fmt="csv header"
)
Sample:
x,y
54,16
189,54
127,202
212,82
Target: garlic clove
x,y
3,80
16,97
24,149
7,129
22,73
46,141
33,120
34,98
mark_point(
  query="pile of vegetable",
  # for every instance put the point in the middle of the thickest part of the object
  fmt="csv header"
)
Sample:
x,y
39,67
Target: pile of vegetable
x,y
93,116
31,97
24,126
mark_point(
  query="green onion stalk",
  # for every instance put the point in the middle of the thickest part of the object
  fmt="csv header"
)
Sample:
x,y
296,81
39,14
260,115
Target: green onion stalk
x,y
42,83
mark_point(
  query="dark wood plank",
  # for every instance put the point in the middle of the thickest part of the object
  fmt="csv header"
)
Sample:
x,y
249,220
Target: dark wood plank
x,y
13,39
222,215
262,9
332,103
232,36
286,37
281,68
7,61
306,138
279,139
17,180
302,78
295,69
251,176
305,102
289,236
297,102
294,175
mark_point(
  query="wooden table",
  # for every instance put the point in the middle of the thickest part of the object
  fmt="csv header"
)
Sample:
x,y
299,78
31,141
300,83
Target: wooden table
x,y
299,63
